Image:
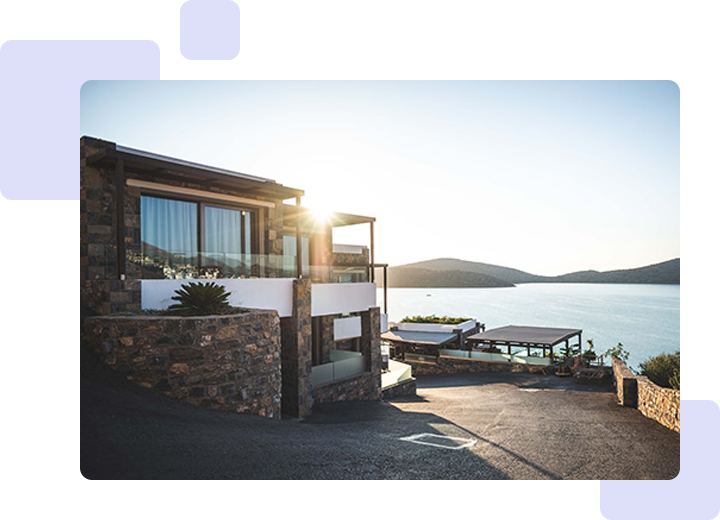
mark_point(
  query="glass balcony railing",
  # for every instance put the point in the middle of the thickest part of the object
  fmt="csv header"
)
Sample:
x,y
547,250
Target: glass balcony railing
x,y
185,265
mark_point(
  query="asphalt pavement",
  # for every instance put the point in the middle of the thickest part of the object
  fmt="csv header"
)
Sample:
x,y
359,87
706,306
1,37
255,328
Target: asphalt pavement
x,y
461,426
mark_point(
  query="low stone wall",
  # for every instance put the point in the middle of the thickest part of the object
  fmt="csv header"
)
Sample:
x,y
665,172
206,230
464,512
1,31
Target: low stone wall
x,y
223,362
658,403
626,384
653,401
453,365
401,389
363,387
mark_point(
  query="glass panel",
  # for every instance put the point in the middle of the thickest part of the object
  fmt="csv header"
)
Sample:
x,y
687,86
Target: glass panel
x,y
247,235
223,240
290,255
168,233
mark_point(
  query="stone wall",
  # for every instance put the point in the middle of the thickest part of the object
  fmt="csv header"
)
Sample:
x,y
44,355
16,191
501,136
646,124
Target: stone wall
x,y
653,401
453,365
658,403
223,362
357,388
105,297
351,259
402,389
626,384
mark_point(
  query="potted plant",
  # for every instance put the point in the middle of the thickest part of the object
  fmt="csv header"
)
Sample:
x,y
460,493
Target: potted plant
x,y
200,299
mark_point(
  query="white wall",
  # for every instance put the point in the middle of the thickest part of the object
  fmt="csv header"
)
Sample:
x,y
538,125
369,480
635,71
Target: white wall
x,y
257,293
435,327
270,293
346,248
346,328
337,298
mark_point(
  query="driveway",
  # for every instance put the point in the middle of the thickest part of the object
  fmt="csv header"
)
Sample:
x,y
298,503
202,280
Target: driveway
x,y
464,426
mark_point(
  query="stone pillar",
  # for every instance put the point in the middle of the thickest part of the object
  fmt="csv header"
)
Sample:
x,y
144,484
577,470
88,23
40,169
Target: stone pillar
x,y
370,346
297,354
327,337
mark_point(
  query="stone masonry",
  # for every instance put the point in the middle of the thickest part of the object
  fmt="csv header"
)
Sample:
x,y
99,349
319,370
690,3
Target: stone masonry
x,y
653,401
224,362
297,354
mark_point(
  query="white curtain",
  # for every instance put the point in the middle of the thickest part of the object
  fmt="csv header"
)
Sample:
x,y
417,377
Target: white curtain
x,y
168,227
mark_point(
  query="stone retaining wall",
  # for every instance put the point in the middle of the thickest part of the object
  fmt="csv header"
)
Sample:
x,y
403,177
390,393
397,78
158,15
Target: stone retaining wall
x,y
626,384
653,401
223,362
453,365
401,389
363,387
658,403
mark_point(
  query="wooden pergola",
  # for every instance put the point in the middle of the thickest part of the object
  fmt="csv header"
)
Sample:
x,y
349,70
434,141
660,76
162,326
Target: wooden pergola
x,y
514,336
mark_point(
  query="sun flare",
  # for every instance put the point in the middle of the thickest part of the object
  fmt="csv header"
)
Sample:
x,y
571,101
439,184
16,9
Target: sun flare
x,y
321,214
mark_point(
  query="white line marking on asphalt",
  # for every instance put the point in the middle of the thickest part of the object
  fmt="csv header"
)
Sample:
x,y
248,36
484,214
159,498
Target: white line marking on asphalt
x,y
466,443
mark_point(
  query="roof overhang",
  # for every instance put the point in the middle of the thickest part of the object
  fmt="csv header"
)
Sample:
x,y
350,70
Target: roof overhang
x,y
307,218
158,168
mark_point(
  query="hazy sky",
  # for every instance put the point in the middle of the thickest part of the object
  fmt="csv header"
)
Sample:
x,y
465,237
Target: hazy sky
x,y
547,177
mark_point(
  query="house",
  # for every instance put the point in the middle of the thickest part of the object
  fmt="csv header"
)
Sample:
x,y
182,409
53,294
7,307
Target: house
x,y
149,223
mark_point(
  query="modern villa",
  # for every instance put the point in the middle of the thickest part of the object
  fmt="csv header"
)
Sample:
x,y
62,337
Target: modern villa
x,y
150,223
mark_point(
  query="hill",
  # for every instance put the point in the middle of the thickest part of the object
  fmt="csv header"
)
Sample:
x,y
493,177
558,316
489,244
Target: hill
x,y
415,277
451,272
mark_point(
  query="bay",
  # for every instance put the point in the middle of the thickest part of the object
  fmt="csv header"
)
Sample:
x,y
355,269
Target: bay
x,y
644,318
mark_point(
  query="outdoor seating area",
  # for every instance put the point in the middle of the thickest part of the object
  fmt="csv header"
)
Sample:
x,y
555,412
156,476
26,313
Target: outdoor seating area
x,y
527,339
514,344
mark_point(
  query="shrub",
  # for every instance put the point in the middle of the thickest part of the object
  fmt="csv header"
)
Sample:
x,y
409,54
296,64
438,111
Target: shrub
x,y
663,370
200,299
445,320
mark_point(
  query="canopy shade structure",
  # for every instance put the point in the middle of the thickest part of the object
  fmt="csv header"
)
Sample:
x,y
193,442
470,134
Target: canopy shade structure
x,y
294,213
526,337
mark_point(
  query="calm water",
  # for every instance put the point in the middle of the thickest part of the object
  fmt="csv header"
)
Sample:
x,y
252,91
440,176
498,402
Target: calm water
x,y
644,318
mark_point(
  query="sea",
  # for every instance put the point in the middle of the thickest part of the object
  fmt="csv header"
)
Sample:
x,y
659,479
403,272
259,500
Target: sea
x,y
644,318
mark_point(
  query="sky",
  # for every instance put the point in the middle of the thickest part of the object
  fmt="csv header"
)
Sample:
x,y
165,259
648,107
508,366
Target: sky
x,y
548,177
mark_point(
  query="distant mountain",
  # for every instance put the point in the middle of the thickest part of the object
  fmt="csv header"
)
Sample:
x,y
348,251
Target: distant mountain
x,y
451,272
507,274
414,277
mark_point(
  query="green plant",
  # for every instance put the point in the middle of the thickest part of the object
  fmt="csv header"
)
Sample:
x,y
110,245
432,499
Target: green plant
x,y
200,299
663,370
589,354
569,351
618,352
445,320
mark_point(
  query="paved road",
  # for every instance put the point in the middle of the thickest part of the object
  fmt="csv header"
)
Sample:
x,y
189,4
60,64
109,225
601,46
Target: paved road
x,y
502,426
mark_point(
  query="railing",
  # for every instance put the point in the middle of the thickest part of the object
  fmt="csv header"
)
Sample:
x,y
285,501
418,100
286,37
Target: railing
x,y
490,356
173,265
397,373
342,364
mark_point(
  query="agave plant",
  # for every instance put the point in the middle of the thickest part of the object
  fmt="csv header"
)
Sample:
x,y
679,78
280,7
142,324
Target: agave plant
x,y
200,299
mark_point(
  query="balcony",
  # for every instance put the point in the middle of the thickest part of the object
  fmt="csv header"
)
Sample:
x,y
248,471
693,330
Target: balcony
x,y
179,265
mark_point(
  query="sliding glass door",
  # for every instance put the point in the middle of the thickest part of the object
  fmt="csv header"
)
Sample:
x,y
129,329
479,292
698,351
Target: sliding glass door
x,y
227,238
186,239
169,241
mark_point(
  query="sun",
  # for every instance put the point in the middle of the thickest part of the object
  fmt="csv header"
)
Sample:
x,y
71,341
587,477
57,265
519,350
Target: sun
x,y
321,214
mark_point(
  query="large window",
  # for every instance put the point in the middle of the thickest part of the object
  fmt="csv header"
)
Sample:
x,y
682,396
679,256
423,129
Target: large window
x,y
185,239
228,237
